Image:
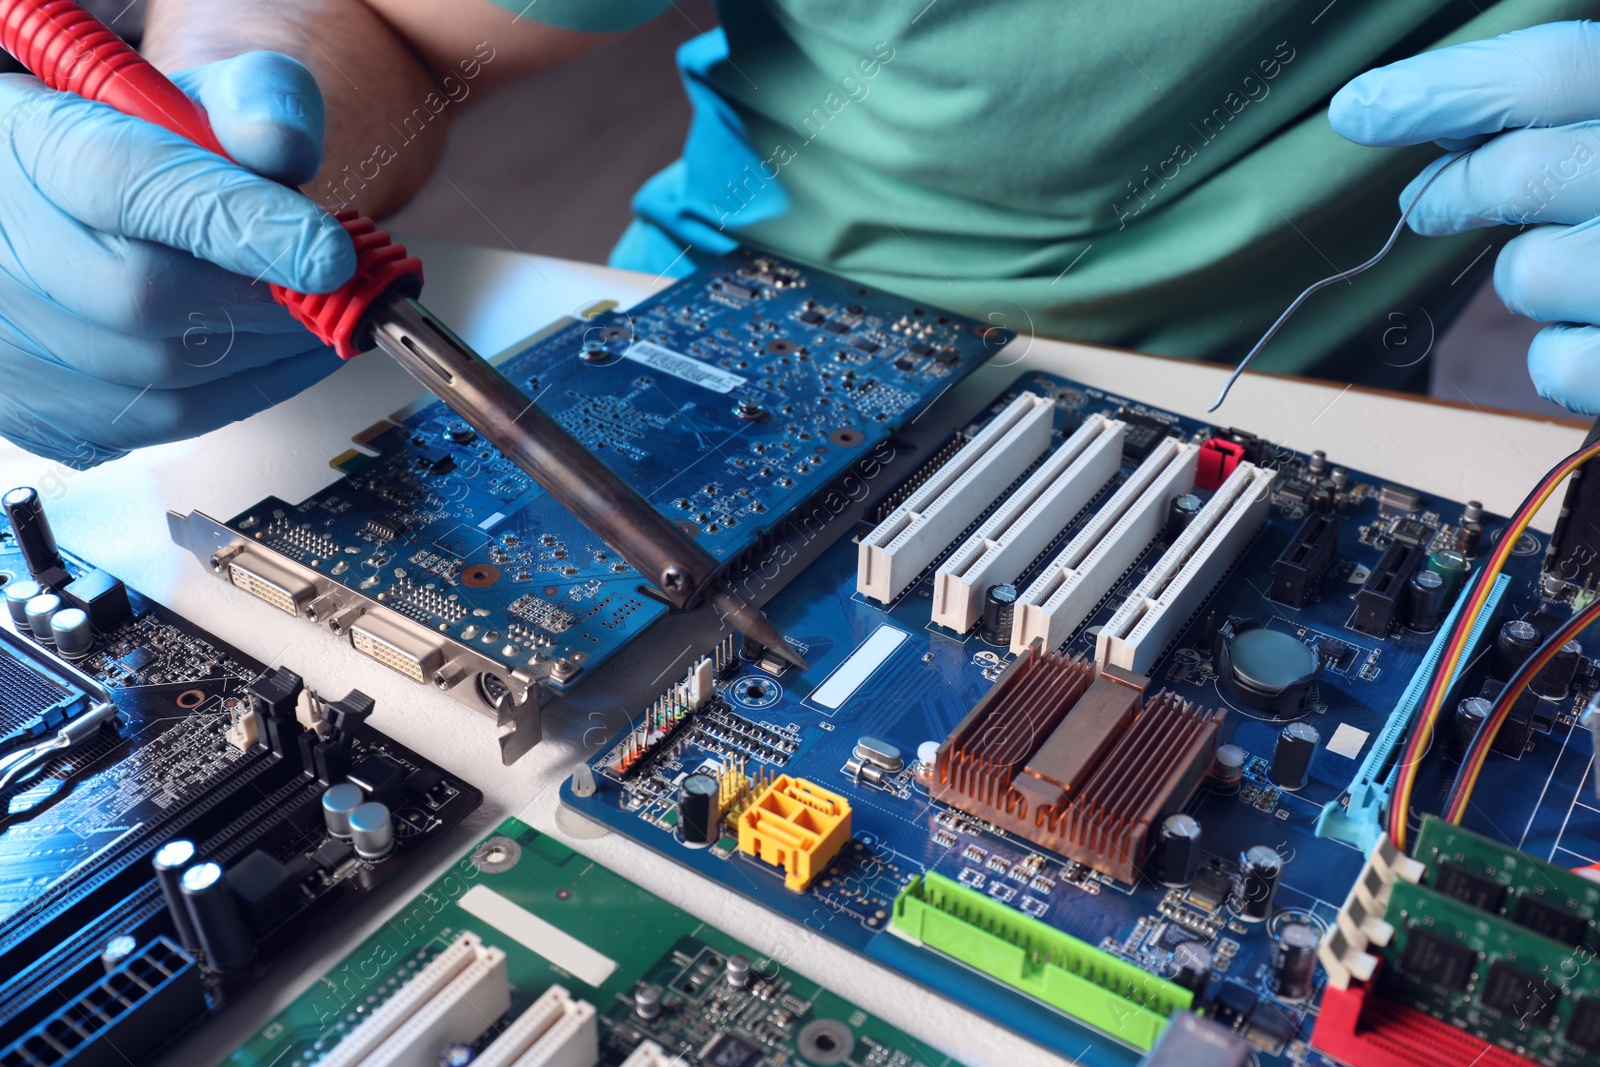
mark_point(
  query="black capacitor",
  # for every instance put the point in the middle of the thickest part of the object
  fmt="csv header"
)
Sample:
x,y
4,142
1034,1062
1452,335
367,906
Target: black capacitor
x,y
1553,682
1427,600
25,512
1469,534
999,608
1470,713
1260,867
1320,500
1291,755
1180,513
1294,961
215,915
1516,641
1177,852
1191,963
750,650
170,861
698,810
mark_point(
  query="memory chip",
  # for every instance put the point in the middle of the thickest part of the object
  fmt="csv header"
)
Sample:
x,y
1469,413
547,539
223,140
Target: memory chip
x,y
1519,994
1551,920
1431,957
1471,888
1583,1029
730,1050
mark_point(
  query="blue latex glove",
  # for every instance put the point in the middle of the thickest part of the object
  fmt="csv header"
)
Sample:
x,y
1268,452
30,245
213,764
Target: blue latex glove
x,y
1525,107
133,265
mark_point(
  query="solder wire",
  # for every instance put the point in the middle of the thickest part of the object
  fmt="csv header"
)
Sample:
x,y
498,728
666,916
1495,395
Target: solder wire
x,y
1417,744
1344,275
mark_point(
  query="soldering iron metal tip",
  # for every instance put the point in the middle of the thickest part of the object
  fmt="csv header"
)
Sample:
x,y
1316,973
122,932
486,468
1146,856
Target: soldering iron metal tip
x,y
752,623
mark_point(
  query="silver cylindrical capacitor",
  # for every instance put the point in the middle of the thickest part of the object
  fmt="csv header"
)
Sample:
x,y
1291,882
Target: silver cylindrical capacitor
x,y
1228,764
215,915
1470,713
338,803
1177,851
999,608
117,950
1291,755
372,830
699,810
1260,867
38,612
647,1001
170,861
18,594
1427,601
1555,680
1516,641
71,632
1191,962
1294,961
738,968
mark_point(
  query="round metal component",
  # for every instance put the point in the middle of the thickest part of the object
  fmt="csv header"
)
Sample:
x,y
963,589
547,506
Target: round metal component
x,y
117,949
647,1001
749,410
69,628
338,803
1268,669
738,969
1516,641
169,861
1427,601
1319,462
457,1055
1294,961
461,432
825,1042
595,352
215,917
190,698
1228,764
1192,966
480,576
699,814
1452,565
1340,478
1260,867
372,830
1320,500
1291,755
38,612
17,596
999,609
879,754
1553,682
37,544
1177,851
1180,513
1470,714
847,438
927,755
499,853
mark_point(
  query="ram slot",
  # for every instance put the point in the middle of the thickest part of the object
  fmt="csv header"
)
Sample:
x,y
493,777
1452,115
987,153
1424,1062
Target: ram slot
x,y
1061,597
555,1031
456,997
1187,571
1029,520
903,545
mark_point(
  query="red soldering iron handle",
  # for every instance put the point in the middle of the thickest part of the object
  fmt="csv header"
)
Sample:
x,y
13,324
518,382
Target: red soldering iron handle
x,y
70,50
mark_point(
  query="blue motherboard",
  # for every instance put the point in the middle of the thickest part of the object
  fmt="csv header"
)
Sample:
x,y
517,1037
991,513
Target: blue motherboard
x,y
887,685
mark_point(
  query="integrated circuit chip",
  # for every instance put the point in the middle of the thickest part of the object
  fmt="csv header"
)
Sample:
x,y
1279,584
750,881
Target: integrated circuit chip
x,y
1583,1029
1431,957
730,1050
1551,920
1471,888
1518,993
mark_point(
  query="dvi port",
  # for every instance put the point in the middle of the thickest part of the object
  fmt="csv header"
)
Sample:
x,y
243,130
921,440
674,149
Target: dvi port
x,y
395,646
269,581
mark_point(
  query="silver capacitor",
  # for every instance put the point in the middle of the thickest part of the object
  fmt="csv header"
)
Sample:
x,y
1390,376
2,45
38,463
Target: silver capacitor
x,y
38,612
70,630
338,803
372,830
17,596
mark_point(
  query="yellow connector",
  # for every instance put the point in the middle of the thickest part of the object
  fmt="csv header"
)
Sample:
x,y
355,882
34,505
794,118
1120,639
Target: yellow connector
x,y
795,825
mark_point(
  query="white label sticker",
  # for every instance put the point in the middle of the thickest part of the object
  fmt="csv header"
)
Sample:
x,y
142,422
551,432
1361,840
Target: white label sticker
x,y
1347,741
681,366
837,687
556,945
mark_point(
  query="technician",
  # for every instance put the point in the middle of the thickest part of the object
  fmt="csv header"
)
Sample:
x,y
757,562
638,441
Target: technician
x,y
1162,176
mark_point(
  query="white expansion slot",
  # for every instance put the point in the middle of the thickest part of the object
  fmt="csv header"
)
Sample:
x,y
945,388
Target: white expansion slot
x,y
456,997
1187,571
1061,597
903,545
555,1031
1029,520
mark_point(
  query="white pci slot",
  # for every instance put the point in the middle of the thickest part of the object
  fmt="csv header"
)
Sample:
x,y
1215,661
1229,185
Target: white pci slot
x,y
1061,597
555,1031
1173,589
903,545
1027,522
456,997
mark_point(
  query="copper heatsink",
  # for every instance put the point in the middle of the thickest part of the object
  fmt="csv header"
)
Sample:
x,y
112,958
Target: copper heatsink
x,y
1080,765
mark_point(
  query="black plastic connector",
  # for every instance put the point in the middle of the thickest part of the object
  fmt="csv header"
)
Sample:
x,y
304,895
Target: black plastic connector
x,y
1378,599
1297,572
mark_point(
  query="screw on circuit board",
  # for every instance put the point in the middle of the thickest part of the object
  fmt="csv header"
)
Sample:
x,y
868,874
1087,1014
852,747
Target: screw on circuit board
x,y
595,352
674,580
564,670
749,410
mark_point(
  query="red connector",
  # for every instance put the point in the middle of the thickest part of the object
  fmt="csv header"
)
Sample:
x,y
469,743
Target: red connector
x,y
1217,460
1359,1027
72,51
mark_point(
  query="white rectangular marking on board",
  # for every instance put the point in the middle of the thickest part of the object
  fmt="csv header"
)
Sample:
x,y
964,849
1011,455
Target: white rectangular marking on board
x,y
685,367
554,944
846,678
1347,741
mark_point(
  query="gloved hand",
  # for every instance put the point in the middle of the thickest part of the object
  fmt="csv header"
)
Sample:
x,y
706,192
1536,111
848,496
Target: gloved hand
x,y
134,265
1541,86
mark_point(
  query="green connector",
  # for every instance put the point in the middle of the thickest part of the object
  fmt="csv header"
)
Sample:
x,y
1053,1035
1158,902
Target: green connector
x,y
1095,987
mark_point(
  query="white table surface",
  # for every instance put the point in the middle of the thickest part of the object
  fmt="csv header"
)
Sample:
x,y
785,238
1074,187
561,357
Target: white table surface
x,y
115,516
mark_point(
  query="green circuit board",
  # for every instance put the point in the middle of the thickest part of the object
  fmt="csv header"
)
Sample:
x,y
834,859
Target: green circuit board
x,y
602,940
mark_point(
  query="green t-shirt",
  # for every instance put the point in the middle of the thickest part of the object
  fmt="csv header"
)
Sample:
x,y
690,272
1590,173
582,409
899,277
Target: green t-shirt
x,y
1159,176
